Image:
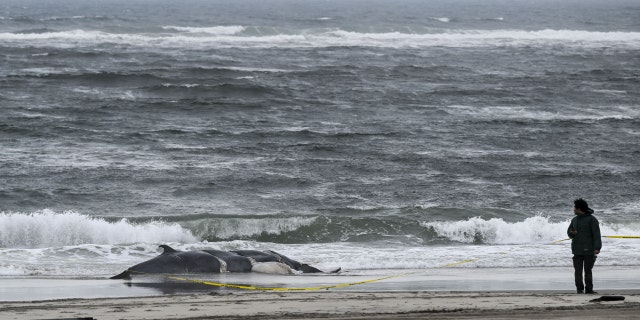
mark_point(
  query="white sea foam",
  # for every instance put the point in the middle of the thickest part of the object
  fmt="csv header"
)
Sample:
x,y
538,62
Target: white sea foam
x,y
441,19
11,270
492,19
516,113
227,37
249,69
217,30
48,70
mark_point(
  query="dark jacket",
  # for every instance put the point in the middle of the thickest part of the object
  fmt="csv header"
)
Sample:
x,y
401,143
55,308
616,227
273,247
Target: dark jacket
x,y
587,239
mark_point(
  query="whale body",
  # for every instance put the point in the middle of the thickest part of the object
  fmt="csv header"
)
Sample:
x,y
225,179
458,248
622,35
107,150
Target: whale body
x,y
173,261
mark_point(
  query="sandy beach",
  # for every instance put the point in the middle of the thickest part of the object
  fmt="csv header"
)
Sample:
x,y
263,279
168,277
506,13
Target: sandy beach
x,y
525,293
334,305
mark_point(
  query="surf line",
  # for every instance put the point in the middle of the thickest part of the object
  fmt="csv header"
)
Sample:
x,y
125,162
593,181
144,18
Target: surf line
x,y
317,288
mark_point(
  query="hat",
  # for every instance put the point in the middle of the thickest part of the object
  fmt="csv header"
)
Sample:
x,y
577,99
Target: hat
x,y
581,204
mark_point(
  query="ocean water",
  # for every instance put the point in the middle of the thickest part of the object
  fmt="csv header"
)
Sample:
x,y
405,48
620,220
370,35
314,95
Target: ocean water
x,y
366,134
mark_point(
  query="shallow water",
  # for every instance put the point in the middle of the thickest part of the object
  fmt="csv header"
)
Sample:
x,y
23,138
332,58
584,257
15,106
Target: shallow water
x,y
607,280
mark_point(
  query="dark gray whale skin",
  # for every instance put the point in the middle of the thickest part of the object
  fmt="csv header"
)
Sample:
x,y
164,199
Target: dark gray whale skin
x,y
235,263
172,261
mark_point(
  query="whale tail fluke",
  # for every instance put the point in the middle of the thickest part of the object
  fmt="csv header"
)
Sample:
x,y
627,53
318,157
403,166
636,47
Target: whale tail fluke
x,y
336,270
305,268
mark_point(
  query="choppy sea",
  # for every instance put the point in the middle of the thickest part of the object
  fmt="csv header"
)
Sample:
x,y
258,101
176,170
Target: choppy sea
x,y
365,134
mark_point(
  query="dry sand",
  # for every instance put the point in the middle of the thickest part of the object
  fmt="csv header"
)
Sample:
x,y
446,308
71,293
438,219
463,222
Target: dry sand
x,y
335,305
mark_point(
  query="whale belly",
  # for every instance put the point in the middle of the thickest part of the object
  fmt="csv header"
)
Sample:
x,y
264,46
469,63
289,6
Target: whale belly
x,y
271,267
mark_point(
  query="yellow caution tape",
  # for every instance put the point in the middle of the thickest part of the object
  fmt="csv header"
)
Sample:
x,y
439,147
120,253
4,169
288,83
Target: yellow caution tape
x,y
622,237
327,287
612,237
458,263
247,287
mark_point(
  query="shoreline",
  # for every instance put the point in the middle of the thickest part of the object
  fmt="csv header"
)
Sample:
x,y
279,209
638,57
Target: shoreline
x,y
550,279
444,293
335,305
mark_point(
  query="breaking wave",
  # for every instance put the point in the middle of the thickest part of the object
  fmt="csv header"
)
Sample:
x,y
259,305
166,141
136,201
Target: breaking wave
x,y
46,228
237,36
50,229
69,243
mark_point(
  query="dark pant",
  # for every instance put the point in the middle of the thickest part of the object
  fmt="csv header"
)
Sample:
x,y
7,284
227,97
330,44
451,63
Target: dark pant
x,y
586,262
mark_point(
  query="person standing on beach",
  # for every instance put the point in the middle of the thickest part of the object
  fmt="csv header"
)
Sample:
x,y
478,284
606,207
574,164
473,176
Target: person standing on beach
x,y
586,243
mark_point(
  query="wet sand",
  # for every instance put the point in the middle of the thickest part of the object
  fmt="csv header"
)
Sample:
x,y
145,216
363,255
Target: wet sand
x,y
527,293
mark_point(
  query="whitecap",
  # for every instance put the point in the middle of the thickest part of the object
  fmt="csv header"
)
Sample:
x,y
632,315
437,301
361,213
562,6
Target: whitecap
x,y
217,30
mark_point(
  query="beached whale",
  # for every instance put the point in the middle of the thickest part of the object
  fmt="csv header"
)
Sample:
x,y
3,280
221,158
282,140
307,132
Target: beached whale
x,y
172,261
